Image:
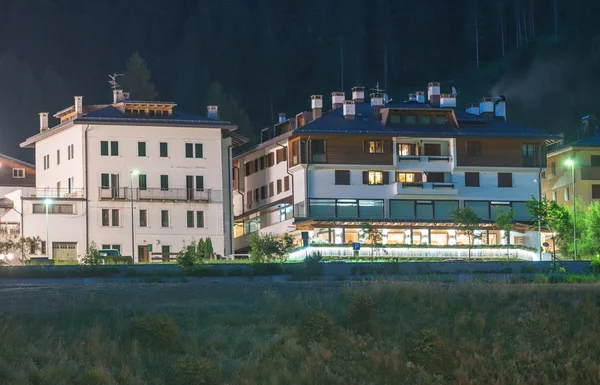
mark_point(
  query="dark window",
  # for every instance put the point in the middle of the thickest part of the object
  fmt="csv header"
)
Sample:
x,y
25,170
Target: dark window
x,y
199,150
410,119
278,186
256,165
433,149
256,196
141,148
105,217
596,191
270,159
190,219
249,198
505,179
435,177
114,148
164,150
164,218
189,153
263,192
595,160
424,119
104,181
165,250
115,217
471,179
57,157
142,182
440,119
199,183
528,153
317,150
342,177
395,119
164,182
199,218
474,148
553,167
286,183
143,218
104,148
271,189
248,170
261,162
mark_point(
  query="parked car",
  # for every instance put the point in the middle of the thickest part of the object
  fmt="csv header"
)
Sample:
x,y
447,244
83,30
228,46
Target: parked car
x,y
109,253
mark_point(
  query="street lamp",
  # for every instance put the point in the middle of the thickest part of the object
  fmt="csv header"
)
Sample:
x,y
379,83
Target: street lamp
x,y
132,173
539,182
47,202
571,163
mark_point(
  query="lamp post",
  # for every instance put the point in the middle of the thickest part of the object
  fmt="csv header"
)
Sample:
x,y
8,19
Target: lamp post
x,y
132,173
539,182
47,202
571,163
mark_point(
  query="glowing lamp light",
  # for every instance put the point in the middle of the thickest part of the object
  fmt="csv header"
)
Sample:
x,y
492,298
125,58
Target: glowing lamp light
x,y
135,172
570,162
47,202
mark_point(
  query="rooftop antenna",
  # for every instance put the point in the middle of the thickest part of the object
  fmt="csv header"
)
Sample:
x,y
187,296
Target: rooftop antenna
x,y
113,81
377,89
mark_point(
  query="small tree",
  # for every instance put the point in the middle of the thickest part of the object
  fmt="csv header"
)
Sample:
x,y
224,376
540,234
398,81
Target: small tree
x,y
467,221
201,249
208,248
373,235
504,220
92,257
556,219
267,247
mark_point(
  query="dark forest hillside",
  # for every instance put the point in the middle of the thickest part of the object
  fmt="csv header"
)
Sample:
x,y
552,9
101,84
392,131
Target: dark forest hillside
x,y
269,56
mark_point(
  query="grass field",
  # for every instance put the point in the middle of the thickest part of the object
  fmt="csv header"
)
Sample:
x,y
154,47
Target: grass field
x,y
300,333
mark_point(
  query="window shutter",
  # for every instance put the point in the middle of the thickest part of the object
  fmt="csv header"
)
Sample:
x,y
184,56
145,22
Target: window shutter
x,y
278,155
365,177
418,177
386,177
387,146
366,146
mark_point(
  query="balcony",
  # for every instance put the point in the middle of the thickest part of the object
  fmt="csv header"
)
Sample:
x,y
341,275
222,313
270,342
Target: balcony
x,y
43,193
425,188
435,163
158,194
590,173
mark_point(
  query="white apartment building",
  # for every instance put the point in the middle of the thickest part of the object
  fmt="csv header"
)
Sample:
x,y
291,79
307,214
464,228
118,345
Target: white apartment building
x,y
404,167
138,176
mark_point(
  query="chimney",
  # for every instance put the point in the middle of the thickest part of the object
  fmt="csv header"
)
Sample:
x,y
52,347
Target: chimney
x,y
412,97
472,108
420,97
316,103
117,96
212,112
349,109
377,104
43,121
447,100
433,93
78,105
126,95
486,107
337,99
500,107
282,117
358,94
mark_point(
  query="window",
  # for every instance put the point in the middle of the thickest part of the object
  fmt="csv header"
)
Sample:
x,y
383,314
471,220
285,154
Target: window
x,y
495,208
474,148
395,119
104,148
70,151
263,192
402,209
115,217
278,186
43,247
471,179
554,195
375,146
193,150
436,177
112,247
249,198
141,148
164,150
165,251
248,168
595,160
370,208
189,153
566,194
40,208
104,181
46,162
110,217
261,162
164,218
256,196
346,208
553,167
270,159
342,177
410,119
58,188
432,149
286,183
317,151
143,218
444,209
281,155
440,119
373,177
199,183
406,149
481,208
256,167
164,182
114,148
57,157
271,190
18,173
71,184
408,177
424,209
505,179
199,218
198,150
424,119
190,219
528,153
142,184
596,191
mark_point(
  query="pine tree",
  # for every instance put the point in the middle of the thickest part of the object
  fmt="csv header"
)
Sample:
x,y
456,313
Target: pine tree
x,y
229,109
137,78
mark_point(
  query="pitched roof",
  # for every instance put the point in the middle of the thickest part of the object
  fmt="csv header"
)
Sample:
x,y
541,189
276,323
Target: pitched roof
x,y
17,161
111,114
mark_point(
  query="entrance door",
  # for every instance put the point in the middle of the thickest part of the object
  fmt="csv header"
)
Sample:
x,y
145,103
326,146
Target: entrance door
x,y
143,256
189,185
114,185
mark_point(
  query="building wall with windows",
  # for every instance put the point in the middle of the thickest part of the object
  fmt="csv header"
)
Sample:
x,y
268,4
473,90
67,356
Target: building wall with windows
x,y
14,174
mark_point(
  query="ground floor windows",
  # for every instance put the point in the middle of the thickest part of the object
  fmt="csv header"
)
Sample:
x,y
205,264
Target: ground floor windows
x,y
347,208
422,209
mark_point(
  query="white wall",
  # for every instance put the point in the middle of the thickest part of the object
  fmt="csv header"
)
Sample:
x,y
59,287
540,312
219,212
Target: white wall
x,y
523,185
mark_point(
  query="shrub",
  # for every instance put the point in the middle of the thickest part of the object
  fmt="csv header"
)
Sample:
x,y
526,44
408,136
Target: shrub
x,y
193,370
92,257
595,265
39,262
541,278
157,331
119,260
259,269
313,265
431,351
361,313
317,326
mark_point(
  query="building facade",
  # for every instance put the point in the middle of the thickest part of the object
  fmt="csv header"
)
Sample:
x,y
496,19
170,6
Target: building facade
x,y
140,177
403,167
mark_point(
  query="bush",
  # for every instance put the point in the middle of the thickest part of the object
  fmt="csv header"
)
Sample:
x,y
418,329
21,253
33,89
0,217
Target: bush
x,y
431,351
156,331
361,313
313,264
595,265
317,326
192,370
92,257
39,262
118,260
261,269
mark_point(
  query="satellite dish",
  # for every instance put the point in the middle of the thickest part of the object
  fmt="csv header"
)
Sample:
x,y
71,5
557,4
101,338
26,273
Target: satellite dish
x,y
386,99
454,91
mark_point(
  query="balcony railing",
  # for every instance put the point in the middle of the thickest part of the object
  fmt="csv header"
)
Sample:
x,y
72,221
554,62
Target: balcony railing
x,y
432,188
590,173
52,193
151,194
425,158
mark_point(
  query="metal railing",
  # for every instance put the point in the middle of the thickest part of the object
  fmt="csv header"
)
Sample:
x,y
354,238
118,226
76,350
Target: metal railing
x,y
171,194
33,192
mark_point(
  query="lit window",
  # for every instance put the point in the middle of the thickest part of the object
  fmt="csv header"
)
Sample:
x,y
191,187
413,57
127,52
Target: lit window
x,y
375,177
405,177
375,146
405,149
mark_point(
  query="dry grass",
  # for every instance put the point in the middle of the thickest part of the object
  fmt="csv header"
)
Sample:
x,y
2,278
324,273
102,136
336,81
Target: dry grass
x,y
252,333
